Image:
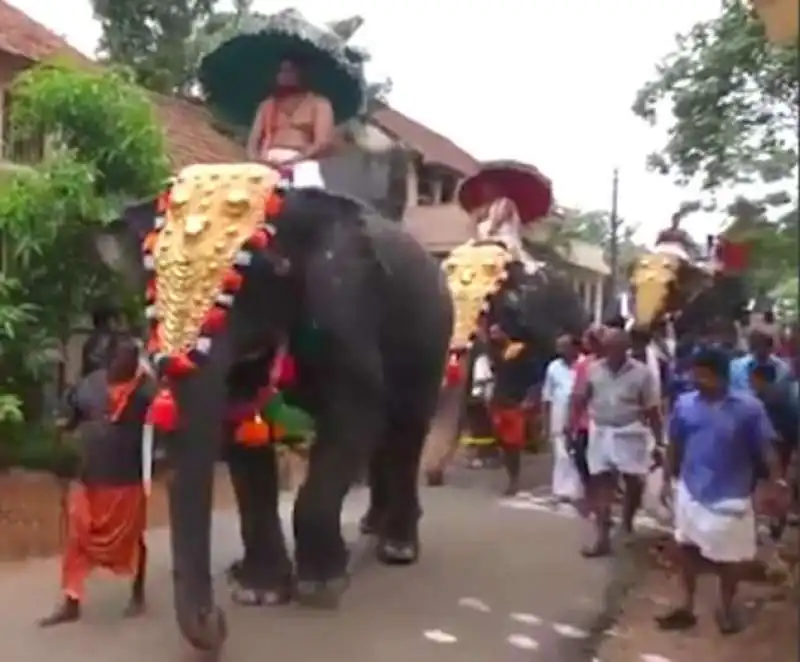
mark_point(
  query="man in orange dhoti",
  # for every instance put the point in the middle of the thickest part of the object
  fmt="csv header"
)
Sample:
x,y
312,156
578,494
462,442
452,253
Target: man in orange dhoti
x,y
107,505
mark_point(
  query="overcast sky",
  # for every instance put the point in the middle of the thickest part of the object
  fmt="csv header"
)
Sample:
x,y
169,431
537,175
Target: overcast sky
x,y
547,82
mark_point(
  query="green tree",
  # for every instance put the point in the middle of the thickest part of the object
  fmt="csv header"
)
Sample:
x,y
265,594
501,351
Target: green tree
x,y
594,227
732,100
154,38
107,148
773,244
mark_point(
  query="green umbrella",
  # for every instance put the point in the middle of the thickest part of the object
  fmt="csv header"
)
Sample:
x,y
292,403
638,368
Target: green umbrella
x,y
240,73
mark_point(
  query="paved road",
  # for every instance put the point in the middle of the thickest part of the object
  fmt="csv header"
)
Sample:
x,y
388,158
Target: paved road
x,y
494,583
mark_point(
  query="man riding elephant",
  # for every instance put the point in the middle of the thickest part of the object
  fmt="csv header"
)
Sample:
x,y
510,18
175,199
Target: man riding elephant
x,y
527,305
671,282
256,288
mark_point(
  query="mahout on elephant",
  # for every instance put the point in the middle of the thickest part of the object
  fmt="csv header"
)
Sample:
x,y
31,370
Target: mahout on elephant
x,y
528,308
247,279
672,284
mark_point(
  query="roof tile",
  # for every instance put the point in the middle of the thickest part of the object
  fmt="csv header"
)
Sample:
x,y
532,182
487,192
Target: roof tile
x,y
22,36
434,148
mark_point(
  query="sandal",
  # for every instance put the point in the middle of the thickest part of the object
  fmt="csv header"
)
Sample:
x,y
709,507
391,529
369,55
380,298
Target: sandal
x,y
676,620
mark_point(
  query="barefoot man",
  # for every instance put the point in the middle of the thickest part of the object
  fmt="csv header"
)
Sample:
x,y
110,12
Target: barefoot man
x,y
624,415
107,505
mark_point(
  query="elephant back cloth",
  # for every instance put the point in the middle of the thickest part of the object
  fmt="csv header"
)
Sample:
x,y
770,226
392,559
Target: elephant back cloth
x,y
212,221
475,272
106,514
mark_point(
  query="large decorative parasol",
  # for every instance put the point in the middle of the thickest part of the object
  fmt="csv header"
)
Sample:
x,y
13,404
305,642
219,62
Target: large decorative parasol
x,y
528,188
240,73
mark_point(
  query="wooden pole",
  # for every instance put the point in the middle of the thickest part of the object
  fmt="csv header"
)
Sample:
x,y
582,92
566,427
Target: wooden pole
x,y
614,233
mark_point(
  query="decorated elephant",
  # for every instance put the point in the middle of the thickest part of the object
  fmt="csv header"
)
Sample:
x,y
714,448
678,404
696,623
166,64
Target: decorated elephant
x,y
253,288
670,282
531,308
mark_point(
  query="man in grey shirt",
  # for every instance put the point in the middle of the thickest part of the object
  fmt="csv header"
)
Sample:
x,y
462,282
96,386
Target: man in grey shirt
x,y
621,395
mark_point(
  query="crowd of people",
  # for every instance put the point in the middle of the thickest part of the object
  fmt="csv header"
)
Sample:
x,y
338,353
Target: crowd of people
x,y
718,422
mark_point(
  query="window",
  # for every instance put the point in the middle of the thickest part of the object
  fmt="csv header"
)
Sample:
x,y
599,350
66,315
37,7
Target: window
x,y
449,185
426,191
21,149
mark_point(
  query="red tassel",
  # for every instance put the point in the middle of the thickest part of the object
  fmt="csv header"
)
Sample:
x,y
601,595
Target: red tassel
x,y
163,202
215,320
150,292
273,205
232,281
149,242
179,365
258,240
252,432
454,372
287,372
163,411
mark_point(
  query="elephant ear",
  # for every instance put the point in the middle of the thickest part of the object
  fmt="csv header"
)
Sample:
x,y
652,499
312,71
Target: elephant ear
x,y
119,243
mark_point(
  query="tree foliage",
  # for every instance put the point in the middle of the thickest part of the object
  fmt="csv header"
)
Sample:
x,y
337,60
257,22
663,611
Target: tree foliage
x,y
732,99
106,147
773,244
103,117
594,227
153,38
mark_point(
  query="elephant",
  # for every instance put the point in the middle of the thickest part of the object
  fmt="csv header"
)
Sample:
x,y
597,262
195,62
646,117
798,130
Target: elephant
x,y
691,295
379,316
531,308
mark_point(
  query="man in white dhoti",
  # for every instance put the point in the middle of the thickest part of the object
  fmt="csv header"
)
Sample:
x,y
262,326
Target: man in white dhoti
x,y
624,417
293,129
720,440
556,396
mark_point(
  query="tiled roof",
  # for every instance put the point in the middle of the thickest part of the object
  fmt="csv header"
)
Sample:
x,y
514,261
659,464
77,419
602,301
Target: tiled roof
x,y
189,128
433,147
191,136
22,36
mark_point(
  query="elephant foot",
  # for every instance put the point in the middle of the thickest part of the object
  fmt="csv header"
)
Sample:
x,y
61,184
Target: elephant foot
x,y
275,596
247,593
321,594
398,552
206,632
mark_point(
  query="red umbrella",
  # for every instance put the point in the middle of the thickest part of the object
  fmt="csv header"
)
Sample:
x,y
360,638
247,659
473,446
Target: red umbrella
x,y
528,188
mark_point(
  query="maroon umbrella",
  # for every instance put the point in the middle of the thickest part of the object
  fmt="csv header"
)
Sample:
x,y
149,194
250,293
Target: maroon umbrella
x,y
528,188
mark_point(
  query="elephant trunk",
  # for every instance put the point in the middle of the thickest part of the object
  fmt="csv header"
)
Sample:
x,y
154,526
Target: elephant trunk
x,y
192,452
442,441
651,300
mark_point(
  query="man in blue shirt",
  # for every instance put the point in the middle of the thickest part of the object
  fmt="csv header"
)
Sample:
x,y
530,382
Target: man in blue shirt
x,y
782,408
719,438
761,345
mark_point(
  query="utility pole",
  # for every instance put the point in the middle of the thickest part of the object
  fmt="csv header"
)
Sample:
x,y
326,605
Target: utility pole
x,y
613,244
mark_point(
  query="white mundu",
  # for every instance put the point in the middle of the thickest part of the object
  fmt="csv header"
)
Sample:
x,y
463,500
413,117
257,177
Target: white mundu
x,y
305,174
